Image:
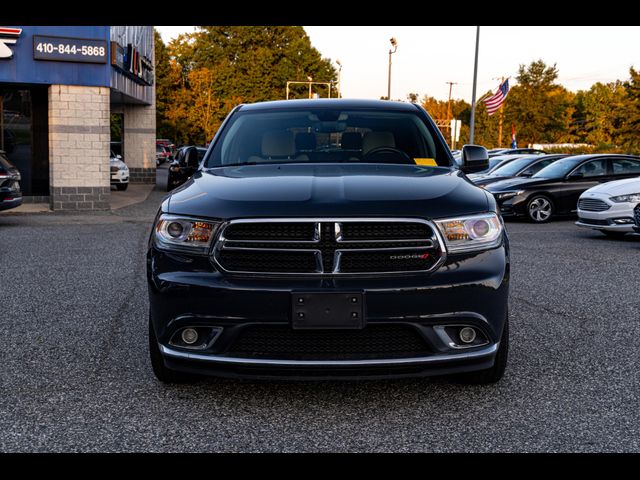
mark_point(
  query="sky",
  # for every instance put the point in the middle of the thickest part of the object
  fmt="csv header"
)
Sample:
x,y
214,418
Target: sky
x,y
428,57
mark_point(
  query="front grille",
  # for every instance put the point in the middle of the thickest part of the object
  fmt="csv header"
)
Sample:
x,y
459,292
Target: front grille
x,y
636,214
328,246
591,221
284,343
593,205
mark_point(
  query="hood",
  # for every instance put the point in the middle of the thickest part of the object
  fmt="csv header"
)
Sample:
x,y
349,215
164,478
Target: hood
x,y
517,183
115,162
327,190
617,187
488,179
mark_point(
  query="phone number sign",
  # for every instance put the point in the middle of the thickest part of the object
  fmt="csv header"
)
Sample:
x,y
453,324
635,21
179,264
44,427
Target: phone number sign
x,y
64,49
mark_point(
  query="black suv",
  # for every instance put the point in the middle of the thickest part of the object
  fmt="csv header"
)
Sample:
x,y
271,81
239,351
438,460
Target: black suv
x,y
329,239
10,194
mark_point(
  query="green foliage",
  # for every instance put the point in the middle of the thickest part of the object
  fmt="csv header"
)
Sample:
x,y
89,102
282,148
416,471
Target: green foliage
x,y
217,67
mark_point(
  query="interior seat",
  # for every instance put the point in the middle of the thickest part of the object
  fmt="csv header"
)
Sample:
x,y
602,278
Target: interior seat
x,y
373,140
278,146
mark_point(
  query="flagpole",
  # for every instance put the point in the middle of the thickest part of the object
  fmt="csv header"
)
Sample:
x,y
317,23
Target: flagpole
x,y
473,95
500,121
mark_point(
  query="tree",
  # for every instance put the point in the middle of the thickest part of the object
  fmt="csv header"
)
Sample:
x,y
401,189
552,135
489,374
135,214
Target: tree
x,y
602,108
539,108
217,67
629,134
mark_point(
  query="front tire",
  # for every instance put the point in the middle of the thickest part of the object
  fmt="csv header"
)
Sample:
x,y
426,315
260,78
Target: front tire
x,y
540,209
496,372
162,373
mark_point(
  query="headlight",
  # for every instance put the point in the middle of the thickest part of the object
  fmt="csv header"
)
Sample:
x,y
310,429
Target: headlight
x,y
475,232
123,167
181,234
508,195
632,197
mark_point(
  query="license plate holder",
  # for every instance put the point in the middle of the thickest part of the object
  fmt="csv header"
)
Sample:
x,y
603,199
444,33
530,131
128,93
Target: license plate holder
x,y
313,310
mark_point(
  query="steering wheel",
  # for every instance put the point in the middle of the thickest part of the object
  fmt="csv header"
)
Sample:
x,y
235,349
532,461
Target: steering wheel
x,y
386,150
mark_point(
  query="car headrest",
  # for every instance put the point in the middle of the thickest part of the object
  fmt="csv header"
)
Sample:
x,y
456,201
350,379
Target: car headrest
x,y
305,141
373,140
351,141
278,144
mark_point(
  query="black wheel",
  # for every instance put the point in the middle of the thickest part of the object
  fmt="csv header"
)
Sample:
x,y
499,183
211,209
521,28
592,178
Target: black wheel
x,y
613,234
539,209
122,186
495,373
160,370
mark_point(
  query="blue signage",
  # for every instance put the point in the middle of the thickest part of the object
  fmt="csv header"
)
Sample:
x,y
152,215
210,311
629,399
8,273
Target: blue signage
x,y
25,63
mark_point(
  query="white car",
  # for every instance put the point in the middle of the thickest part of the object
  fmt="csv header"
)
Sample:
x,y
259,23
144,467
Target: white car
x,y
609,207
119,172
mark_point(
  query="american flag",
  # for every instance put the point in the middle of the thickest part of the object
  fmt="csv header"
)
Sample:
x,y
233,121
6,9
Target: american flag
x,y
497,99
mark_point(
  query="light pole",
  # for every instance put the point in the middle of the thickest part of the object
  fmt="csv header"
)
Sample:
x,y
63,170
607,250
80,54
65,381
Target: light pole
x,y
394,44
339,85
310,78
473,94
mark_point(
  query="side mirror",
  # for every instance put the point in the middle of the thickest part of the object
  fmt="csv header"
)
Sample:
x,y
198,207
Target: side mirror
x,y
474,159
576,176
527,173
119,157
191,158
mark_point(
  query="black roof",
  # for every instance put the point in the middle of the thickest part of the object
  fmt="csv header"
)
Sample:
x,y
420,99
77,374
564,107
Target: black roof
x,y
589,156
330,103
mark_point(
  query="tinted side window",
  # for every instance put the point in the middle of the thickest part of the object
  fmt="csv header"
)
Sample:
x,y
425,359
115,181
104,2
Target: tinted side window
x,y
594,168
537,167
625,165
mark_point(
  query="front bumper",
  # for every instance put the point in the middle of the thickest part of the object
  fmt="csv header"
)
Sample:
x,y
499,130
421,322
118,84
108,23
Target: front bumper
x,y
9,201
606,220
467,290
122,176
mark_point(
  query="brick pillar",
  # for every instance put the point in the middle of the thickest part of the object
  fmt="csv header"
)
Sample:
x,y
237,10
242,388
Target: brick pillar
x,y
79,146
140,142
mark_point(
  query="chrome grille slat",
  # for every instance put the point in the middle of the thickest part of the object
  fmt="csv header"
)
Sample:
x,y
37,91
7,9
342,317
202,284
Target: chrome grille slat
x,y
593,205
334,255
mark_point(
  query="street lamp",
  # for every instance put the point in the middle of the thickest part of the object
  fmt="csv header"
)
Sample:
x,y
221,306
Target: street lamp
x,y
394,44
310,78
339,85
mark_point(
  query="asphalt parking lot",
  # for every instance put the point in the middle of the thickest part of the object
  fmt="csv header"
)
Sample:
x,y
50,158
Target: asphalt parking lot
x,y
75,374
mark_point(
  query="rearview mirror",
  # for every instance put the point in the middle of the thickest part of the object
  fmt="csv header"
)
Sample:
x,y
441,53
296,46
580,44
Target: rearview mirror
x,y
474,159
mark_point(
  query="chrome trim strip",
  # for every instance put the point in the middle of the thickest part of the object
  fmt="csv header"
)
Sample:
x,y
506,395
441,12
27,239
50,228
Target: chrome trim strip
x,y
219,241
251,362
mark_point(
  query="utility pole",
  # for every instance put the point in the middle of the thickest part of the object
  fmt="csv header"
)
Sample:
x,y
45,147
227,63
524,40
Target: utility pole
x,y
394,44
451,84
473,95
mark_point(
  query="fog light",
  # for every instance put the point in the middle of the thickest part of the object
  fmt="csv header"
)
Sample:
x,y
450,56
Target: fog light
x,y
623,221
467,335
189,336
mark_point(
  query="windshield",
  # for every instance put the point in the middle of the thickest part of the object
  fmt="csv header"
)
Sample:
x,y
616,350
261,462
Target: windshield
x,y
512,168
327,135
559,168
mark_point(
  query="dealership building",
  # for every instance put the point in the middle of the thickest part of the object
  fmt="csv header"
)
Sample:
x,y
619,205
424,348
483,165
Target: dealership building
x,y
69,96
